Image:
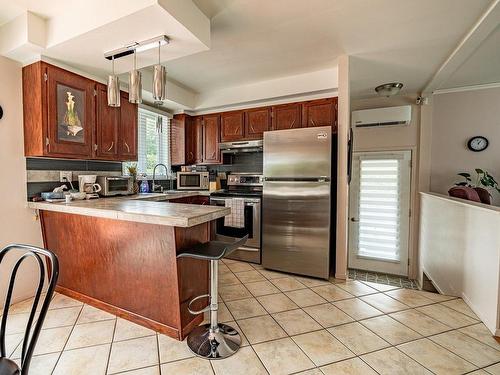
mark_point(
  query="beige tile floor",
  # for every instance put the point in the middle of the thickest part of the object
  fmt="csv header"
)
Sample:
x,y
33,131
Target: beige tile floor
x,y
289,325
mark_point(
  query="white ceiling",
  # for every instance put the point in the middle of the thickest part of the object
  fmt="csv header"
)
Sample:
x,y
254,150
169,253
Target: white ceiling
x,y
390,40
254,41
482,67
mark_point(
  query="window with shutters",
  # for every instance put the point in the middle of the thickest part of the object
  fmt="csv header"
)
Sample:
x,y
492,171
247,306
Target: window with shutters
x,y
153,143
379,210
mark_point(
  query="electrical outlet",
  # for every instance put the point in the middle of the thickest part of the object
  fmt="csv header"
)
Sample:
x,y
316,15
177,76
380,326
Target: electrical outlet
x,y
65,176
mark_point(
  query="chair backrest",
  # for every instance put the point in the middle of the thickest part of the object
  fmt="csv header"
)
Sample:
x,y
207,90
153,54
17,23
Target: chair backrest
x,y
51,268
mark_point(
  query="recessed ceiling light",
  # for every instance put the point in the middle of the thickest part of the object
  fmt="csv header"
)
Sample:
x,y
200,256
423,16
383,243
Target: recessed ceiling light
x,y
389,89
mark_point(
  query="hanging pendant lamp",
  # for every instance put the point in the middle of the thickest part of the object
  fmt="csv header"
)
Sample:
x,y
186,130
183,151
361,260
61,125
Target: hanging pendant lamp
x,y
159,80
113,87
135,84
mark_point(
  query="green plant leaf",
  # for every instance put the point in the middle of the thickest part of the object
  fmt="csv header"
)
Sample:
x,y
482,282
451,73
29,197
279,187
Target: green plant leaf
x,y
464,174
479,171
461,183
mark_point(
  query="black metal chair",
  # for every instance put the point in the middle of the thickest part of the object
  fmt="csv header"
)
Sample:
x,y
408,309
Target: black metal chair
x,y
51,268
213,340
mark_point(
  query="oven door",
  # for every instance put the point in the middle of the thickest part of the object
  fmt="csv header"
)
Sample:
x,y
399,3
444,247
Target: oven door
x,y
251,251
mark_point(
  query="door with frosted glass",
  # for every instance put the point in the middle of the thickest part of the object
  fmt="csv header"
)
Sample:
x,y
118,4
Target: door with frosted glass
x,y
379,212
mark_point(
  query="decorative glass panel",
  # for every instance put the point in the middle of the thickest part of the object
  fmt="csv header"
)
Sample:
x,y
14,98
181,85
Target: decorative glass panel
x,y
71,120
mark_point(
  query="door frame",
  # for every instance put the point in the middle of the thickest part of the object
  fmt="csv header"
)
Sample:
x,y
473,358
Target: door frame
x,y
412,261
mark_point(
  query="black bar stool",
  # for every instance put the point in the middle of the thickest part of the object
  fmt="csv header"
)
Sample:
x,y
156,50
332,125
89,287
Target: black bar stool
x,y
7,366
213,340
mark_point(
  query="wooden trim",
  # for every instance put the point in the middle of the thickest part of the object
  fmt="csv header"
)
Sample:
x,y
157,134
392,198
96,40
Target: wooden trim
x,y
130,316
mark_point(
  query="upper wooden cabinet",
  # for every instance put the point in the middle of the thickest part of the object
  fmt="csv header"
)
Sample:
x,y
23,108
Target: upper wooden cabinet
x,y
211,139
287,116
59,112
107,126
177,139
194,140
232,126
321,112
67,116
257,121
128,131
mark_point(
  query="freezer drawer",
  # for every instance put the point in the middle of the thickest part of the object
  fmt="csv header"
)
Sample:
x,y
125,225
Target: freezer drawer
x,y
296,227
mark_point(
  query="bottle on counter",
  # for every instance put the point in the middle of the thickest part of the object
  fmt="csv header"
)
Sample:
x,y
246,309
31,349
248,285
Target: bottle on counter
x,y
144,186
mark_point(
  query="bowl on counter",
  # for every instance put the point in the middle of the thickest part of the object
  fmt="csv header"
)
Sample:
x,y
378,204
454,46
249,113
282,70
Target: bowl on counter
x,y
78,195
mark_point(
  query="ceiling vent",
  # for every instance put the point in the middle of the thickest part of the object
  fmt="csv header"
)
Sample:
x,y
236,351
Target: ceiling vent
x,y
390,116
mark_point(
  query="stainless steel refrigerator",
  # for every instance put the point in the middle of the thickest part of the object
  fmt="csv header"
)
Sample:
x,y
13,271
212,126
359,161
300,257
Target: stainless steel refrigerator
x,y
297,200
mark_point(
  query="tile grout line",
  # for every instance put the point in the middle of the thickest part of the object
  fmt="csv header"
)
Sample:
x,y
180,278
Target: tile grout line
x,y
111,345
66,342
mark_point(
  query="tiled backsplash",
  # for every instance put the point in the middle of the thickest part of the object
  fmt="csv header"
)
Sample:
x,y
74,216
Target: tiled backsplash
x,y
43,174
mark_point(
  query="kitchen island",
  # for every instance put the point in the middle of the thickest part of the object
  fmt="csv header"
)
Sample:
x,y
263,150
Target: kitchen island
x,y
119,255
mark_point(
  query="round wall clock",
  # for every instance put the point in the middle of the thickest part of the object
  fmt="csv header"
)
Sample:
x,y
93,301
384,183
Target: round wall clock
x,y
478,143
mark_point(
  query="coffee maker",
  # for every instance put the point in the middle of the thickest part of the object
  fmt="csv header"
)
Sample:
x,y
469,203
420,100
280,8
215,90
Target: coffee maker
x,y
87,184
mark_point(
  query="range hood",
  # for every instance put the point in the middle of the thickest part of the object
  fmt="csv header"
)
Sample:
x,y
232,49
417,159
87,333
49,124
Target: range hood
x,y
241,146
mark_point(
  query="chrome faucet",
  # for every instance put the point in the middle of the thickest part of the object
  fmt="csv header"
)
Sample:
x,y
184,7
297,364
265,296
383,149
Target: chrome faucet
x,y
154,186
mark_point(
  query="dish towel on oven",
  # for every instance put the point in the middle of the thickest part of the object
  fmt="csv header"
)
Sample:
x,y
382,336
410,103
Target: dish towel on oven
x,y
236,218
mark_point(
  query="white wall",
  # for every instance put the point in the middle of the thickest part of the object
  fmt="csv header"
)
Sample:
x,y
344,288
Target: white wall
x,y
460,252
457,117
17,223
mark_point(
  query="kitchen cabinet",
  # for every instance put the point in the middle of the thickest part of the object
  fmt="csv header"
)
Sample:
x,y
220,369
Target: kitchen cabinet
x,y
257,121
177,139
194,140
321,112
211,139
232,126
287,116
128,131
107,127
59,112
67,116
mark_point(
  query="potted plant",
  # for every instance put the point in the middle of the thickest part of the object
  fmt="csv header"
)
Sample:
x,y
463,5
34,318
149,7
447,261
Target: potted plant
x,y
484,181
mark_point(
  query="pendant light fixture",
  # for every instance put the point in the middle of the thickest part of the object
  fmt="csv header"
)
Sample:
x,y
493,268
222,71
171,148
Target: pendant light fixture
x,y
113,87
135,84
159,80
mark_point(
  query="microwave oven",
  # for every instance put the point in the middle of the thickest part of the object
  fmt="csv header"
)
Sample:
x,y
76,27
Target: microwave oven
x,y
192,181
115,185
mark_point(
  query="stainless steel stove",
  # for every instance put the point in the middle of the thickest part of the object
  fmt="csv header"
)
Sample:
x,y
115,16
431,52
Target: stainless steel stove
x,y
249,187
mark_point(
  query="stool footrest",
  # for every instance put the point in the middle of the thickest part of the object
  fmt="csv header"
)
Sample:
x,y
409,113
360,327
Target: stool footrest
x,y
196,312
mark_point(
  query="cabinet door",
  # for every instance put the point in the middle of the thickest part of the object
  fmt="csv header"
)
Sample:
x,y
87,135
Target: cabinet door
x,y
107,125
211,138
177,140
232,126
319,112
128,131
194,140
257,121
287,116
70,114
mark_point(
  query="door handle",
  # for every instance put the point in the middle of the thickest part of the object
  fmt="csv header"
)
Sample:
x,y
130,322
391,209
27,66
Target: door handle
x,y
354,220
111,146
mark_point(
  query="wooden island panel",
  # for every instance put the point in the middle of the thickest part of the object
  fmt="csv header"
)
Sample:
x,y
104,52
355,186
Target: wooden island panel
x,y
130,269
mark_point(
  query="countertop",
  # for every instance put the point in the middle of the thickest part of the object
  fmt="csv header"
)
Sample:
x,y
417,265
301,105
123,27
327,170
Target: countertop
x,y
152,208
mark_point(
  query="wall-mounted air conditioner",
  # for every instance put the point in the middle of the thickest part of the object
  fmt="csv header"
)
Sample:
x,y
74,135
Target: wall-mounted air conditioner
x,y
382,116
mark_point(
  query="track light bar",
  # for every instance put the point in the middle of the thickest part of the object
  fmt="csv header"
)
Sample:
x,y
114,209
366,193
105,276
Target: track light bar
x,y
137,46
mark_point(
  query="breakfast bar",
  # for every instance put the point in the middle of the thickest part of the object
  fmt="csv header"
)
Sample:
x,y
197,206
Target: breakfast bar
x,y
119,255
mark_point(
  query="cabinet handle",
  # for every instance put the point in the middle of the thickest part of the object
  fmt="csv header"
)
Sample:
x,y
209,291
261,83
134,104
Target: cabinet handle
x,y
111,146
312,122
95,146
126,145
291,125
